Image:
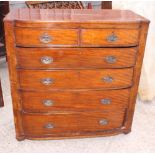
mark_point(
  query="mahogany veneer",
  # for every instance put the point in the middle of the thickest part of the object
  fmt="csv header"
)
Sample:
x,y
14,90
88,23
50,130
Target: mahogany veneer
x,y
76,58
74,73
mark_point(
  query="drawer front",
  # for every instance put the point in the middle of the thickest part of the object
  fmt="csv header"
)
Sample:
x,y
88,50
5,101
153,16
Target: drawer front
x,y
74,100
76,58
110,37
75,79
46,37
59,123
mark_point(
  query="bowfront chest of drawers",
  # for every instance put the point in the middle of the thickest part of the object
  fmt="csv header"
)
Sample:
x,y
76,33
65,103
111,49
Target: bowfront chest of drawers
x,y
74,73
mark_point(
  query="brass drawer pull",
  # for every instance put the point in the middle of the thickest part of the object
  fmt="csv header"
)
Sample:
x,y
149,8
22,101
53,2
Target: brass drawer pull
x,y
49,126
110,59
48,103
103,122
108,79
46,60
106,101
45,38
112,38
47,81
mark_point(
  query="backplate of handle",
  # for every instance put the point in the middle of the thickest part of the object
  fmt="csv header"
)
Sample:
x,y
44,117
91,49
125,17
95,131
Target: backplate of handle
x,y
47,102
45,38
46,60
110,59
49,126
103,122
107,79
47,81
112,38
106,101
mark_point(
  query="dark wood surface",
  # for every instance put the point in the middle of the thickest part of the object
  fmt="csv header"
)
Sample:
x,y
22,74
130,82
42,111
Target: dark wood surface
x,y
4,9
1,96
78,77
55,4
106,4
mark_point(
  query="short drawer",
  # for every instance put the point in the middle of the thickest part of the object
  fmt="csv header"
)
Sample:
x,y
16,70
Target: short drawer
x,y
75,79
109,37
61,123
68,58
46,37
48,101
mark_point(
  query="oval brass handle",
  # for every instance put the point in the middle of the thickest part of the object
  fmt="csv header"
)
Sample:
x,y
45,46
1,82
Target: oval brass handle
x,y
47,81
106,101
103,122
48,103
108,79
112,38
110,59
49,126
45,38
46,60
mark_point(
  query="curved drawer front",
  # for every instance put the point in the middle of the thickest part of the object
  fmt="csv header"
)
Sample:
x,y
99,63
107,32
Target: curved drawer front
x,y
76,58
59,123
46,37
74,100
110,37
75,79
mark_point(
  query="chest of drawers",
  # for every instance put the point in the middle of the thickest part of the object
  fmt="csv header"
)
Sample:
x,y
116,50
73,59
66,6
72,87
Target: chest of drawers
x,y
74,73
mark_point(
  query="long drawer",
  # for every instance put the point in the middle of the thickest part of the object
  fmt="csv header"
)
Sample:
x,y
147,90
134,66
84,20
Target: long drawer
x,y
75,58
47,101
59,123
75,79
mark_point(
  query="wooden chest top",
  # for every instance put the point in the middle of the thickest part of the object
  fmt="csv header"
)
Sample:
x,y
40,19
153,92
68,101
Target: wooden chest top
x,y
74,18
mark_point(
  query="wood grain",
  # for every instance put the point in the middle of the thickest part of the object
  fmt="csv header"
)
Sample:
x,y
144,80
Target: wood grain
x,y
75,58
59,37
99,37
75,79
32,101
71,122
136,77
13,75
75,18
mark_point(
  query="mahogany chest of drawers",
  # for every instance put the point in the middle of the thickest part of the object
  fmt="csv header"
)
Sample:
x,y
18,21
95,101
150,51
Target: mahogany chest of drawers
x,y
74,73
